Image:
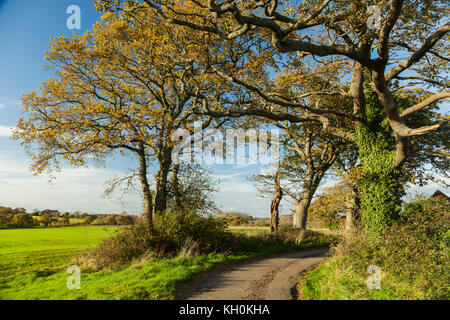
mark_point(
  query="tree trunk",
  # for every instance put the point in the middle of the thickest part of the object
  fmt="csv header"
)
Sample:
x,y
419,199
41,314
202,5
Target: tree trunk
x,y
313,176
310,183
274,213
176,186
148,203
380,183
399,129
161,190
161,180
148,207
352,215
301,211
300,217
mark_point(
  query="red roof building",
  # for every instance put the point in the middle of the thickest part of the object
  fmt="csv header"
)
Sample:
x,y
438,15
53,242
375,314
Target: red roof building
x,y
440,195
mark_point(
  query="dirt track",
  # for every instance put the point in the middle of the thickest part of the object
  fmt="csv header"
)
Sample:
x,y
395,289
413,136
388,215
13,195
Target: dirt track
x,y
272,278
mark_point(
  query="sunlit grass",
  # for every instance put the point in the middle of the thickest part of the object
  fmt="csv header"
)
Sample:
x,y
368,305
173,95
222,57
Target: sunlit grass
x,y
250,230
156,279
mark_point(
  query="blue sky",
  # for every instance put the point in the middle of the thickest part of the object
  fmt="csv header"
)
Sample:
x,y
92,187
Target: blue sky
x,y
26,27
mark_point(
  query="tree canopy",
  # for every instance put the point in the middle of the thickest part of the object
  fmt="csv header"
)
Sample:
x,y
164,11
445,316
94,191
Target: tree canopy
x,y
346,84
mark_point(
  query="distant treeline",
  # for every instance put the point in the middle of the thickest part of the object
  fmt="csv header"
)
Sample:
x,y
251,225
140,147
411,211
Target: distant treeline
x,y
20,218
242,219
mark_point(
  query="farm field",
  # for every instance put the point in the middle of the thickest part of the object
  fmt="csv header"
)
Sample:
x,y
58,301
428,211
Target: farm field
x,y
19,241
249,230
27,256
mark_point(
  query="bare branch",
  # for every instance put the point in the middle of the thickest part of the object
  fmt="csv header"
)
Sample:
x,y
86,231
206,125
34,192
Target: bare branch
x,y
436,97
426,129
386,29
420,53
282,103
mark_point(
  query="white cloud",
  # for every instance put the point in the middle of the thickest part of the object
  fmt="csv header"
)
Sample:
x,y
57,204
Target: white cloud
x,y
6,102
73,189
427,189
5,132
82,189
235,195
228,176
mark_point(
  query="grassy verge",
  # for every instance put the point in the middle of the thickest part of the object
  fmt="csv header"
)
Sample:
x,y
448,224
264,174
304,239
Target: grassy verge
x,y
342,277
329,281
412,259
332,281
156,279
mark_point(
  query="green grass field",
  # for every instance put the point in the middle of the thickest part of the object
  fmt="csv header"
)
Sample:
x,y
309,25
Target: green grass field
x,y
33,264
249,230
41,239
27,255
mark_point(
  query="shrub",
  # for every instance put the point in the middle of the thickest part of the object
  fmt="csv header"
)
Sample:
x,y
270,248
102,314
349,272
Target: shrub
x,y
15,218
175,227
88,220
23,220
129,243
47,220
238,221
110,220
287,237
413,257
173,232
66,221
427,219
189,249
124,220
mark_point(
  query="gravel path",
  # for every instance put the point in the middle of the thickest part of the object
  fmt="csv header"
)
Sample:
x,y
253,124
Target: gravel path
x,y
272,278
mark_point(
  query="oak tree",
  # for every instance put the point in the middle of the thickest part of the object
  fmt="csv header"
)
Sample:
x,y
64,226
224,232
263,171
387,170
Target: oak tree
x,y
407,42
127,86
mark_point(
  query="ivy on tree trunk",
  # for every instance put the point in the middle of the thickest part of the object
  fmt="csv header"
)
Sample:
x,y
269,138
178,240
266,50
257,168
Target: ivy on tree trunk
x,y
380,183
